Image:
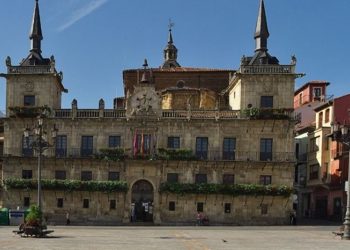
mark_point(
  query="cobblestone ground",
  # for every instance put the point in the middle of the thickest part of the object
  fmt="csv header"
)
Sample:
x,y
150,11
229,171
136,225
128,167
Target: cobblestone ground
x,y
178,238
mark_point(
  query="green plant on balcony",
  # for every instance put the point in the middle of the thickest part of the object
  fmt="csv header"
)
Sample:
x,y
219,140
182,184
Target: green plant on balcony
x,y
176,154
235,190
111,154
68,185
25,112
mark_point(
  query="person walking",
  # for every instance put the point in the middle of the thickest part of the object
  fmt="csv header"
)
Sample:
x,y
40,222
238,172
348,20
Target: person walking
x,y
67,219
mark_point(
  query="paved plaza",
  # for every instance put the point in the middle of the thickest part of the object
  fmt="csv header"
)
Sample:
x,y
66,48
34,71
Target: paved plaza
x,y
179,238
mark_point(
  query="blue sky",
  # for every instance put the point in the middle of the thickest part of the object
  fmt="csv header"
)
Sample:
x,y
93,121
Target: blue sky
x,y
94,40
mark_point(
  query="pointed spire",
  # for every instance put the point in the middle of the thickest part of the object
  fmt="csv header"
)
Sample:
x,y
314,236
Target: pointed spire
x,y
170,51
261,32
36,34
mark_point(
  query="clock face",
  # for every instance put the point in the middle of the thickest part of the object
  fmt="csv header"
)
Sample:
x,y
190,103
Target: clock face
x,y
144,101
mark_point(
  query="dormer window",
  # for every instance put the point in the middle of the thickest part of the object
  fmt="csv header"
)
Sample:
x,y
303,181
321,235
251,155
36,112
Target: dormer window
x,y
29,100
317,93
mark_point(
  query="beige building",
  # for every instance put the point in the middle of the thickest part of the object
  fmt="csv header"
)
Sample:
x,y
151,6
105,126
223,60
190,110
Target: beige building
x,y
165,152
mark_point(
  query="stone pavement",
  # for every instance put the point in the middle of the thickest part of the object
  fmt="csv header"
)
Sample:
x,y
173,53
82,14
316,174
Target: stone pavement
x,y
179,238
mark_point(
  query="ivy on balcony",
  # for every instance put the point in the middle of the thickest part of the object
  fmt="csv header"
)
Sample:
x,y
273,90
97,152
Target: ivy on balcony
x,y
235,190
29,112
176,154
267,113
111,154
68,185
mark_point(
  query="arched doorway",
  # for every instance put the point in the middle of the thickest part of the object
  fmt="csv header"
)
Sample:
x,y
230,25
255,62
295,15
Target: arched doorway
x,y
142,202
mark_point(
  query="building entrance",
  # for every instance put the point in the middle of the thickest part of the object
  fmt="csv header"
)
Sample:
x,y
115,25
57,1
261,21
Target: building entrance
x,y
142,202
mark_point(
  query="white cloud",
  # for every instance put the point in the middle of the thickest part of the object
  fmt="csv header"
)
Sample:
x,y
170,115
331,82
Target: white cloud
x,y
82,12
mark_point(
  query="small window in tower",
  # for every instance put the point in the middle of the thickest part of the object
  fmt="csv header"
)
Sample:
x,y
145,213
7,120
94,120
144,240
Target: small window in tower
x,y
29,100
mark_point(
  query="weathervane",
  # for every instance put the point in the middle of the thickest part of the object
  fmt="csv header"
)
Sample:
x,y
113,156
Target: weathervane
x,y
171,24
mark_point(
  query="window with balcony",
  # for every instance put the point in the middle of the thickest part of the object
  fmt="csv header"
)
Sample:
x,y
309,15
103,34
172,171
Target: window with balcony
x,y
172,177
60,174
228,179
86,175
202,148
113,176
27,149
326,119
201,178
114,141
61,146
320,119
229,147
313,173
87,146
266,102
266,149
27,174
29,100
173,142
265,180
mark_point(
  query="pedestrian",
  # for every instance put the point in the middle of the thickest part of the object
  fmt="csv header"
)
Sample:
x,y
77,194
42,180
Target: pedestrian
x,y
67,219
199,218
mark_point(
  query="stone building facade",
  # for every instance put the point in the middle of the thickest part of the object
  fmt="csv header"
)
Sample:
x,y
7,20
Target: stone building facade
x,y
182,141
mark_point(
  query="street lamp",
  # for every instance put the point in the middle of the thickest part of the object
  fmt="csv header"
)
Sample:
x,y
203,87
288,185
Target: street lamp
x,y
341,133
40,144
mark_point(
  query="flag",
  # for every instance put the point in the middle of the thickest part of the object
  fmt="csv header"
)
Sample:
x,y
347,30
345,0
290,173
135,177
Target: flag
x,y
142,143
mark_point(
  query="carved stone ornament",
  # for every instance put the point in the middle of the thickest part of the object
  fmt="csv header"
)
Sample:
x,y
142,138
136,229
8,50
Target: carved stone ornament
x,y
29,86
143,102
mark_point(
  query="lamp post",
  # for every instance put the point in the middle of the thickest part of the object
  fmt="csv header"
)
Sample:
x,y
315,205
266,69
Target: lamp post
x,y
341,133
40,144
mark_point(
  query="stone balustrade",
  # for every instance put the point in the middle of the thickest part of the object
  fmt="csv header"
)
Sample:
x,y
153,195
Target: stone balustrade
x,y
267,69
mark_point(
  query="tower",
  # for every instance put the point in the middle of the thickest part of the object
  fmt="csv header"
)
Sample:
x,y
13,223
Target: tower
x,y
34,83
170,52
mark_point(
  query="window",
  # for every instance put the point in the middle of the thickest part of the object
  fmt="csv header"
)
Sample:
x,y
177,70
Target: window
x,y
61,146
202,148
86,203
326,119
113,176
314,144
27,174
229,147
172,177
60,175
266,102
227,208
317,92
313,174
86,175
26,201
228,179
112,204
59,202
86,146
27,149
171,205
320,119
200,207
265,180
201,178
29,100
173,142
114,141
264,208
265,149
301,98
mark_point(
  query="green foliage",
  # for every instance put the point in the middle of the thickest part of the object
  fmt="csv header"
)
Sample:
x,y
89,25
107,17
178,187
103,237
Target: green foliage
x,y
111,154
68,185
34,217
235,190
20,111
176,154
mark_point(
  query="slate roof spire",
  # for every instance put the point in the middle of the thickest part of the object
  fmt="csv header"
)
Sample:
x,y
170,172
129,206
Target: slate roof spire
x,y
170,51
36,34
261,31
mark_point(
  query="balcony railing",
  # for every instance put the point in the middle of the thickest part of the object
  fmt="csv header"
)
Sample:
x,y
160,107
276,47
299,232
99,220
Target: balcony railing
x,y
210,155
267,69
30,69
